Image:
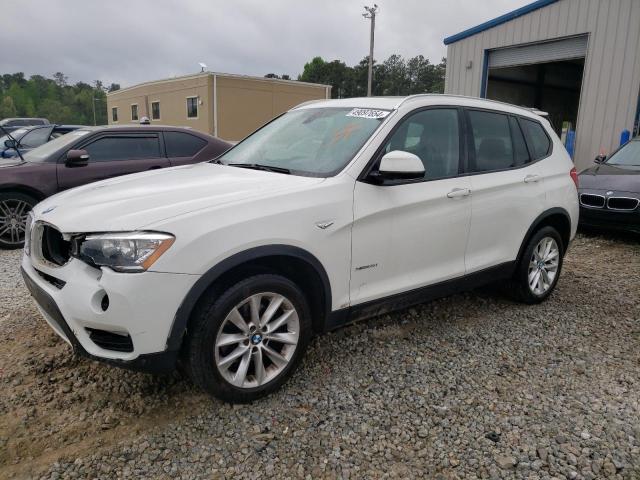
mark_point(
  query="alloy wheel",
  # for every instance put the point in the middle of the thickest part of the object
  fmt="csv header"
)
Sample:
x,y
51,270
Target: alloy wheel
x,y
13,220
257,340
543,266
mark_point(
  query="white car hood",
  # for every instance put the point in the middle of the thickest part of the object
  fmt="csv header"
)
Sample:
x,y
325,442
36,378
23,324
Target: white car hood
x,y
135,201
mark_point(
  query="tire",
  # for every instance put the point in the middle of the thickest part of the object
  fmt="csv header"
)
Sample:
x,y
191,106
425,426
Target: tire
x,y
218,334
531,263
14,207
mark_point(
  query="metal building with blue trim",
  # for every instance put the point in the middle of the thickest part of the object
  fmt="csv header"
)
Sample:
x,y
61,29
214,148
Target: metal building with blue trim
x,y
579,60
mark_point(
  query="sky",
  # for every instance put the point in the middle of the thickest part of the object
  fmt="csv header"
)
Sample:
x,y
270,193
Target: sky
x,y
131,41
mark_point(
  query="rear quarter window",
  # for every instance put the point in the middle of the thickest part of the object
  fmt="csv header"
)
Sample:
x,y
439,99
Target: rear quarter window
x,y
181,144
537,139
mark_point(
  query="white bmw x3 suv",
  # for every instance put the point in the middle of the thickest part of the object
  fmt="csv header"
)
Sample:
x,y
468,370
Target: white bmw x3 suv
x,y
335,211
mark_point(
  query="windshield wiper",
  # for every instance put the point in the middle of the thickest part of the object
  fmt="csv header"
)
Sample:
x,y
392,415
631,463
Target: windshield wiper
x,y
257,166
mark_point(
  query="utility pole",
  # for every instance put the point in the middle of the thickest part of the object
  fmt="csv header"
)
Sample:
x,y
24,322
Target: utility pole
x,y
371,14
94,110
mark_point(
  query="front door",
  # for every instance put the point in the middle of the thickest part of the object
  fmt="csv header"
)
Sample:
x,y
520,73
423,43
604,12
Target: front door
x,y
413,233
112,155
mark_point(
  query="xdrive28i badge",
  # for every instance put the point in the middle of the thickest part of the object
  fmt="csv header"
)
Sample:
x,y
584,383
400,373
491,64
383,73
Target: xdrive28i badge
x,y
50,209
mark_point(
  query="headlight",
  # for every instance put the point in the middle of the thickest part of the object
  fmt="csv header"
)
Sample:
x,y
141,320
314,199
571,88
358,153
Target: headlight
x,y
125,252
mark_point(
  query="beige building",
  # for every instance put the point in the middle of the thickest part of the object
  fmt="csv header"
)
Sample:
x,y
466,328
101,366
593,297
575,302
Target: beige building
x,y
224,105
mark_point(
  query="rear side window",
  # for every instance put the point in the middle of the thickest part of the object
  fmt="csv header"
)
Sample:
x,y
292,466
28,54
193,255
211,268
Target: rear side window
x,y
492,141
180,144
539,143
123,148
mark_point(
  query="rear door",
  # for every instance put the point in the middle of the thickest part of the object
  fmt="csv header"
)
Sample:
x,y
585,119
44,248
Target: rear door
x,y
182,147
112,155
507,188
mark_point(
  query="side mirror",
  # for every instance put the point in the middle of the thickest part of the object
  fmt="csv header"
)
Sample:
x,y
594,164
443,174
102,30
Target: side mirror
x,y
9,143
398,165
600,158
77,158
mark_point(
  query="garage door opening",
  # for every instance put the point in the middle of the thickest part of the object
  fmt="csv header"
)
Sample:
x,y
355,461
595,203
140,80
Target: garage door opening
x,y
551,87
546,76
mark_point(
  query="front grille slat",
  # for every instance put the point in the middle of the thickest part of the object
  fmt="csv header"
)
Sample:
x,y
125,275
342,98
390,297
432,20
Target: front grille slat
x,y
622,203
56,282
592,201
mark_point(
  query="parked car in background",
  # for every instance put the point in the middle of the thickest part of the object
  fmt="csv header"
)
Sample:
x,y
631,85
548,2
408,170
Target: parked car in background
x,y
335,211
610,190
11,124
87,155
28,138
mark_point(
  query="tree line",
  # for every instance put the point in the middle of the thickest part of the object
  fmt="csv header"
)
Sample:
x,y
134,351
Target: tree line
x,y
54,98
394,76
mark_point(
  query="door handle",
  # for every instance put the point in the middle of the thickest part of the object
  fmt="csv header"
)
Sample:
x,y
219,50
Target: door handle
x,y
531,178
459,192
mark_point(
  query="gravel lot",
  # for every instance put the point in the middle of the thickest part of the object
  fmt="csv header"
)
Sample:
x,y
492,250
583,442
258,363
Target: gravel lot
x,y
473,386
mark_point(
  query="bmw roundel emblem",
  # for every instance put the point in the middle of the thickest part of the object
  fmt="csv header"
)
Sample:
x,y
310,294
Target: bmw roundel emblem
x,y
256,339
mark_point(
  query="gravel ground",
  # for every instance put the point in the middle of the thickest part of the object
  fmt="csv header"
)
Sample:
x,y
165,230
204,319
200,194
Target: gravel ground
x,y
472,386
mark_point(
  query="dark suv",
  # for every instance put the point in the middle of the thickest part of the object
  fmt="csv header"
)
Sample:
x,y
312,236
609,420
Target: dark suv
x,y
87,155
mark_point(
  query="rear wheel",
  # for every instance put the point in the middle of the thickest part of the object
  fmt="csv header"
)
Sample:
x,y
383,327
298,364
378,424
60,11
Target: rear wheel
x,y
246,343
14,208
539,269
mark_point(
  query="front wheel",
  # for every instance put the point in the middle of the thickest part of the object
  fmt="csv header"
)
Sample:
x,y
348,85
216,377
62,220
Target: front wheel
x,y
247,342
539,269
14,208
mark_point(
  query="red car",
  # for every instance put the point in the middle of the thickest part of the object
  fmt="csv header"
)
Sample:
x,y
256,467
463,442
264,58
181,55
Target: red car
x,y
87,155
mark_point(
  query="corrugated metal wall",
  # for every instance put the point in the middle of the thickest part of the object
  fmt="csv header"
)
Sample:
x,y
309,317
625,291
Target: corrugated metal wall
x,y
611,79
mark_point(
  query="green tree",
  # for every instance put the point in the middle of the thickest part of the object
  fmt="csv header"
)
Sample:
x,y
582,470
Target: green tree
x,y
7,108
53,98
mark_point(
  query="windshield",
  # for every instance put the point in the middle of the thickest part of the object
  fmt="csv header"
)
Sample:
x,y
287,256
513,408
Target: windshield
x,y
42,153
16,134
315,142
627,156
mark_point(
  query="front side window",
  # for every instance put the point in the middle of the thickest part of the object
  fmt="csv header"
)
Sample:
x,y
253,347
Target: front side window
x,y
123,148
192,107
134,112
492,141
35,138
539,142
155,110
311,141
433,135
114,114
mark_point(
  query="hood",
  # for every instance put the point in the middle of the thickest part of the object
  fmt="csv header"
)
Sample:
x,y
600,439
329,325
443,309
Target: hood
x,y
11,162
610,177
135,201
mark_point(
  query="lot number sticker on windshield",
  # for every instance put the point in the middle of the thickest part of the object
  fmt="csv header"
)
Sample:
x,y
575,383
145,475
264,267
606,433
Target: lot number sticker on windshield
x,y
367,113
